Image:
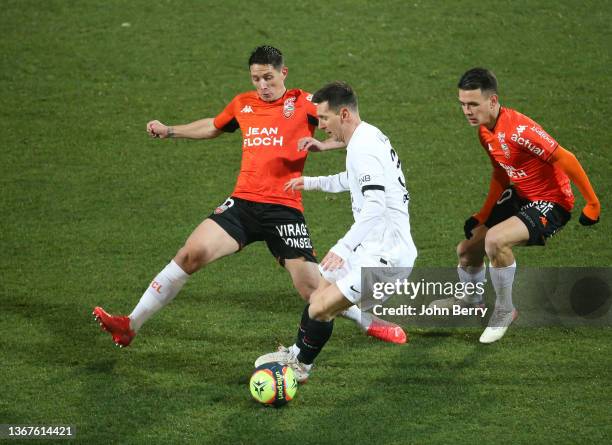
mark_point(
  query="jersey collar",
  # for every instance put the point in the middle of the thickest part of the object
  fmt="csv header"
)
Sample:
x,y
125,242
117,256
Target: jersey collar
x,y
277,101
500,117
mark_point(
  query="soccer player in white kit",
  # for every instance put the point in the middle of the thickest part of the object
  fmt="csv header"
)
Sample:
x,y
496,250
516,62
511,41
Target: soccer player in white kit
x,y
380,236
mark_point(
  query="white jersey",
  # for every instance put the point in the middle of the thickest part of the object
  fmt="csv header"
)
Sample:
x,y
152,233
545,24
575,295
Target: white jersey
x,y
379,198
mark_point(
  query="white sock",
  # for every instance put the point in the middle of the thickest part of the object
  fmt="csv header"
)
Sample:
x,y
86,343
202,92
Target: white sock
x,y
472,274
363,319
502,279
160,292
295,351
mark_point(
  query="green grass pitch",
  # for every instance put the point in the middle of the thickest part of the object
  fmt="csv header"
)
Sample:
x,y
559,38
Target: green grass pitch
x,y
91,209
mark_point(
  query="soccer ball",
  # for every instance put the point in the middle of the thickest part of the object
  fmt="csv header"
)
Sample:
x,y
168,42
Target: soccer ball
x,y
273,384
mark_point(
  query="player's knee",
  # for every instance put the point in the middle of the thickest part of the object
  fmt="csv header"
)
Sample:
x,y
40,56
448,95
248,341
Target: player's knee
x,y
463,249
307,286
469,253
191,260
318,308
495,241
305,279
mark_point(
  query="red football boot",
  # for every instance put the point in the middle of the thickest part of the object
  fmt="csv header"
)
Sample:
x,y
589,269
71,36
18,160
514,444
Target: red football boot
x,y
117,325
387,331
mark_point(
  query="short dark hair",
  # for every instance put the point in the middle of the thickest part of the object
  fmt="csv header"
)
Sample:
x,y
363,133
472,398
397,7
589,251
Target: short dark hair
x,y
337,94
267,55
478,79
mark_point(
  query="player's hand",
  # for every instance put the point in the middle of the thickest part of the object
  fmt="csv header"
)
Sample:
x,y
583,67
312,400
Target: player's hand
x,y
295,184
332,262
310,144
156,129
590,214
470,224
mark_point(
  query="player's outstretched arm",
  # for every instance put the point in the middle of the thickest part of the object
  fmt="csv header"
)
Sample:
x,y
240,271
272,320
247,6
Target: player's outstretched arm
x,y
200,129
568,163
312,144
331,184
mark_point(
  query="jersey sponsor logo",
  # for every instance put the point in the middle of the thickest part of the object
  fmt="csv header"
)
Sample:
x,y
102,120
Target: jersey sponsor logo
x,y
223,207
268,137
289,107
247,109
527,144
520,129
512,172
543,135
295,235
506,150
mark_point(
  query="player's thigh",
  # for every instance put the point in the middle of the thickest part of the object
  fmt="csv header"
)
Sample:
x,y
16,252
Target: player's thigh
x,y
326,303
508,233
305,276
348,278
207,243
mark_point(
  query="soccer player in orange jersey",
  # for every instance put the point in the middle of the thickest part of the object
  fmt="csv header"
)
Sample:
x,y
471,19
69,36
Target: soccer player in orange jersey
x,y
529,200
277,126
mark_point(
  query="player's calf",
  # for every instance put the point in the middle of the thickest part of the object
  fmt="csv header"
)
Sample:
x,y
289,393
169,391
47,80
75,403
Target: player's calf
x,y
305,276
312,336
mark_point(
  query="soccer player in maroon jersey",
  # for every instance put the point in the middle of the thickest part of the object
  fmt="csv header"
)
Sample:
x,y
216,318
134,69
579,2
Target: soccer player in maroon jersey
x,y
277,126
530,197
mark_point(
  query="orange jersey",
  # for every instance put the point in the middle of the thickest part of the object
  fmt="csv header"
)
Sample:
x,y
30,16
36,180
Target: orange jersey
x,y
270,134
523,149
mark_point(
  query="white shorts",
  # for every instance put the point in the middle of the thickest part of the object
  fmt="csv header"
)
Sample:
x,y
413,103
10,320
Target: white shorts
x,y
348,277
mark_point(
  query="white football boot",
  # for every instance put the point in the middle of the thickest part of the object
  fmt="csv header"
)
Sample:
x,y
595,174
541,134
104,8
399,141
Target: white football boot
x,y
498,324
285,356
